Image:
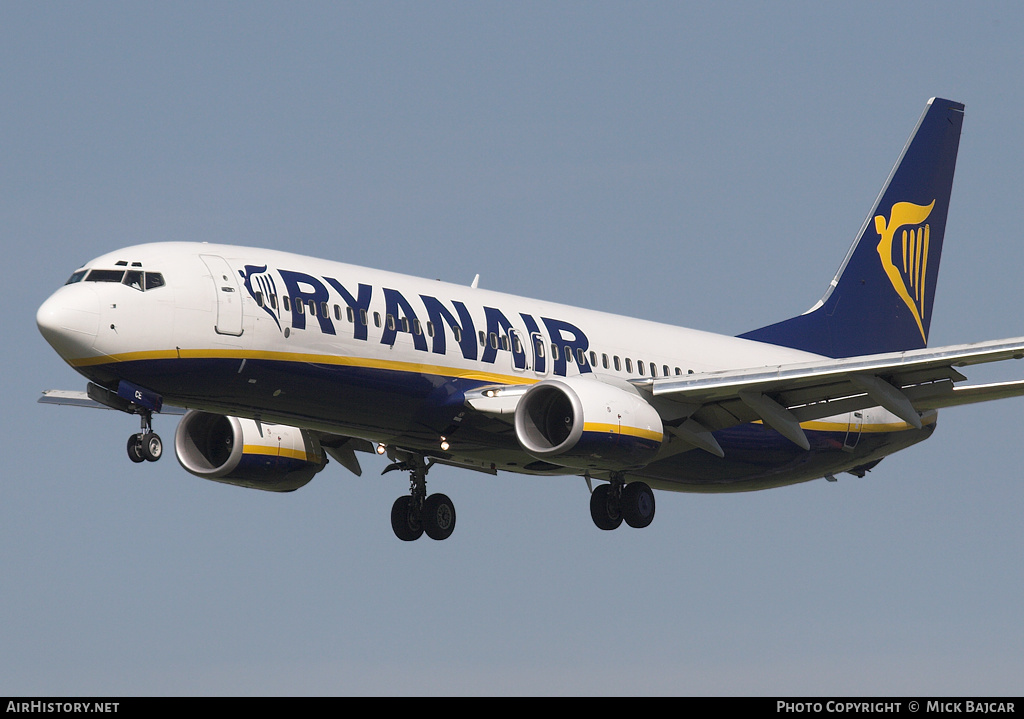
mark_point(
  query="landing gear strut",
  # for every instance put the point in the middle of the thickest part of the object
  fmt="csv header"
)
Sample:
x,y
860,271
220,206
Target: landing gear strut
x,y
416,513
146,445
616,501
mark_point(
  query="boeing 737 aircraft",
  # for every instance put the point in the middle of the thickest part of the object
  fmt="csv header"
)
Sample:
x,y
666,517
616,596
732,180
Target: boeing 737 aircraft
x,y
278,360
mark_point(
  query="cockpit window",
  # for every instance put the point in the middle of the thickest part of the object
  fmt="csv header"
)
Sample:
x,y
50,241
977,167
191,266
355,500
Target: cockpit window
x,y
136,279
105,276
133,278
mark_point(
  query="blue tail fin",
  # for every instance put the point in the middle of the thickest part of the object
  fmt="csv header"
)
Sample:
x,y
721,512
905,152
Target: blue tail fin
x,y
881,298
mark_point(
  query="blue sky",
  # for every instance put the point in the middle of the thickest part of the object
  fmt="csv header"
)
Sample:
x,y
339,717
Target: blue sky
x,y
699,164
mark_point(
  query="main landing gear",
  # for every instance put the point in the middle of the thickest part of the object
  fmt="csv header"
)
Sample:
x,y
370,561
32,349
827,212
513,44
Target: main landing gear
x,y
616,501
146,446
416,513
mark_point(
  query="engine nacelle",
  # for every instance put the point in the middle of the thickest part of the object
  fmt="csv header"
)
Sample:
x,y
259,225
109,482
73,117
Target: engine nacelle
x,y
234,451
583,422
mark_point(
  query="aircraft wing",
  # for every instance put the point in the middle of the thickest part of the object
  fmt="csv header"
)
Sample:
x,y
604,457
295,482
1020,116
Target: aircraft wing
x,y
783,396
83,399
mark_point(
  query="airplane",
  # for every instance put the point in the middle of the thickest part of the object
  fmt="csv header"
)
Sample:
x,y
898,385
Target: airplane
x,y
278,361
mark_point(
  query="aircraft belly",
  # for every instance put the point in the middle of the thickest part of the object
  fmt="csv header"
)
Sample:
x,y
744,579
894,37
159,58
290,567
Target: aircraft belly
x,y
372,403
415,410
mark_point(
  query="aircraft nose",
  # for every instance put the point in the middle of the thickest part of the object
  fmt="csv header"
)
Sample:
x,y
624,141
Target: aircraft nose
x,y
69,321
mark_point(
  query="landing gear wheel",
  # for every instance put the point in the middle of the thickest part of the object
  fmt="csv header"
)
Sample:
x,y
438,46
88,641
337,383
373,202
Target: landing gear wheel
x,y
604,509
152,447
406,527
637,505
135,448
438,517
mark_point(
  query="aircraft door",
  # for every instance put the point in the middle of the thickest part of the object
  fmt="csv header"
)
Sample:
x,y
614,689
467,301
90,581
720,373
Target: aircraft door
x,y
229,299
519,357
853,430
539,352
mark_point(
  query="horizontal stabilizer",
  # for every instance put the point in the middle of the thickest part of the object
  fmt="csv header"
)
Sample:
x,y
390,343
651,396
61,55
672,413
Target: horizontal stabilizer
x,y
970,395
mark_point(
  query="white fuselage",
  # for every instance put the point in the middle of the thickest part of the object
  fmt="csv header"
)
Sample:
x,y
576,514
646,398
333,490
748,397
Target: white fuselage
x,y
387,357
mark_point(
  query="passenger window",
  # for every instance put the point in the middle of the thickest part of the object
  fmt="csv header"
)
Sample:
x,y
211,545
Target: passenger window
x,y
568,354
580,357
504,342
654,370
640,366
362,318
391,322
494,341
538,344
287,304
337,312
405,324
629,365
259,298
376,319
323,310
300,308
665,371
678,371
517,345
273,298
483,338
351,314
554,351
604,360
593,358
618,365
457,332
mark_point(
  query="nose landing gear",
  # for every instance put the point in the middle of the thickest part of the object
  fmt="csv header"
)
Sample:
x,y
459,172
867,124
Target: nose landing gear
x,y
146,446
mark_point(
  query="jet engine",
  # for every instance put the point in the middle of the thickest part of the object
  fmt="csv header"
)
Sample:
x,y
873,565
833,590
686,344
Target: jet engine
x,y
585,423
272,457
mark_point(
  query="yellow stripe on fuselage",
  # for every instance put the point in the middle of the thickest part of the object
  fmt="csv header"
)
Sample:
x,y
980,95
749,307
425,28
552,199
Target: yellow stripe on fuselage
x,y
440,371
819,426
878,427
309,358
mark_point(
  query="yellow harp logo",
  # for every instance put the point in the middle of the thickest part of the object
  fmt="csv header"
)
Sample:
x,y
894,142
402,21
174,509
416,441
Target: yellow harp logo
x,y
908,272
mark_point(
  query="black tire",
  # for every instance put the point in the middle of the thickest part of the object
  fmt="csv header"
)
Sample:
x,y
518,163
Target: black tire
x,y
603,510
637,505
135,448
152,447
438,517
406,527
